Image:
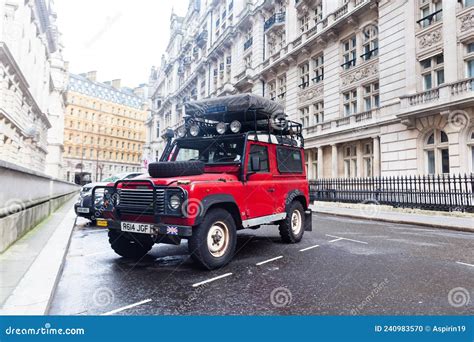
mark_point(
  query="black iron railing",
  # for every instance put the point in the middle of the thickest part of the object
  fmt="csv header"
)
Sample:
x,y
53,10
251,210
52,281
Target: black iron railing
x,y
276,18
430,192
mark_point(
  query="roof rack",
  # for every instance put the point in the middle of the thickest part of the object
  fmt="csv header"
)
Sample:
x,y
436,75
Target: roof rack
x,y
238,114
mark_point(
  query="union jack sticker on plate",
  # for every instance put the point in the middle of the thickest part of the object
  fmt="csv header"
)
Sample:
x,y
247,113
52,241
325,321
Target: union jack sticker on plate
x,y
172,230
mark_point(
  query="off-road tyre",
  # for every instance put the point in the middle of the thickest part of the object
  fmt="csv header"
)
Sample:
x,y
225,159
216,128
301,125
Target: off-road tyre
x,y
176,168
129,245
287,229
214,221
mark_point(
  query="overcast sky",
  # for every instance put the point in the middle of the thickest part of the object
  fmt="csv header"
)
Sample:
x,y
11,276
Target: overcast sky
x,y
117,38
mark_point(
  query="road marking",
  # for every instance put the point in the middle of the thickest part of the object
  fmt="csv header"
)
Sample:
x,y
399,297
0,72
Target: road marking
x,y
343,238
126,307
308,248
212,279
269,260
463,263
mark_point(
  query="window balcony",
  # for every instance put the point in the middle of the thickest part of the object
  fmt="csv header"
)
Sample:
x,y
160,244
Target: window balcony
x,y
275,20
436,100
201,39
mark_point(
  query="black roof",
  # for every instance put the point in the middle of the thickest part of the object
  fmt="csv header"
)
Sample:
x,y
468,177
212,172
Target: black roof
x,y
234,107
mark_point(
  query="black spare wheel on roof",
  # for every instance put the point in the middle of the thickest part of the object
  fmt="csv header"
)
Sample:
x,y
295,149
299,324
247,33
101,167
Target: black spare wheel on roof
x,y
176,168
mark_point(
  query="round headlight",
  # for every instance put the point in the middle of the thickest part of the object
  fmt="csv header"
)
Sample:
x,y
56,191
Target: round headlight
x,y
181,132
175,202
220,128
235,126
194,130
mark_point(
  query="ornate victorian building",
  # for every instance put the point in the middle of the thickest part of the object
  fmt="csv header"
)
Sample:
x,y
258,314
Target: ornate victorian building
x,y
381,87
104,128
32,81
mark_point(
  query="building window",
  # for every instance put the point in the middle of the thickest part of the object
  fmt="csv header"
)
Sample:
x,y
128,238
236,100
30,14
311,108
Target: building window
x,y
350,161
469,58
318,112
432,71
468,3
304,75
318,68
370,45
431,11
437,152
470,143
368,159
304,22
282,86
304,116
349,53
272,90
350,102
318,14
371,96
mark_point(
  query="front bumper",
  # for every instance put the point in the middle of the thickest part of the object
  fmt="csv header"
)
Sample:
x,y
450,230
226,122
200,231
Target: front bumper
x,y
158,228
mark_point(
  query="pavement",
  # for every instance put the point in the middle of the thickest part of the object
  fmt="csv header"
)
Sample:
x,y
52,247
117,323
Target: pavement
x,y
439,219
345,266
31,267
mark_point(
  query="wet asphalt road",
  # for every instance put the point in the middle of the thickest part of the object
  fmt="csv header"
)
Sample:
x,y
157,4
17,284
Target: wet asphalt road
x,y
377,269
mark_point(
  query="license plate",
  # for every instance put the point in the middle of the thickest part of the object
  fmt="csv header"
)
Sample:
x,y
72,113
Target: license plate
x,y
134,227
83,210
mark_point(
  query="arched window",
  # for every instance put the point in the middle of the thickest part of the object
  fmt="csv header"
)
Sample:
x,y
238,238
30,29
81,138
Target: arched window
x,y
436,152
470,144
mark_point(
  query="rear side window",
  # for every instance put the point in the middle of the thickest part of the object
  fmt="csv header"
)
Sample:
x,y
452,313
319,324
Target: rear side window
x,y
262,152
289,160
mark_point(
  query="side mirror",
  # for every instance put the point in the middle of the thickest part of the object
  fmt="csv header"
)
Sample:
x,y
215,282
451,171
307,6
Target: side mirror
x,y
254,163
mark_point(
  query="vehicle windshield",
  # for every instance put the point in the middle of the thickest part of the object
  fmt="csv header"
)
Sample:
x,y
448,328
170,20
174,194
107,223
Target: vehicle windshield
x,y
216,150
114,178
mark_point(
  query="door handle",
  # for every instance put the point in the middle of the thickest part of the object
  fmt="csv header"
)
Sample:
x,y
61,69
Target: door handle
x,y
271,189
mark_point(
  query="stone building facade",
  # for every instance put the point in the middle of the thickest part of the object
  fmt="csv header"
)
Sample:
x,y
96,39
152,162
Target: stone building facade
x,y
32,82
104,128
381,87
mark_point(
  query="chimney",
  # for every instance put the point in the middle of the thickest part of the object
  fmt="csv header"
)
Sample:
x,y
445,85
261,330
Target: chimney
x,y
116,83
92,76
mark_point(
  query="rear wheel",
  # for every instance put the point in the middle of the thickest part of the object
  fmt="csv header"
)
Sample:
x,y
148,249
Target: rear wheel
x,y
292,227
213,242
130,245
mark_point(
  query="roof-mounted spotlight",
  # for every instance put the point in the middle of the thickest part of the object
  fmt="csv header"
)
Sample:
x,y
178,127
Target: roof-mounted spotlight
x,y
221,127
235,126
181,132
194,130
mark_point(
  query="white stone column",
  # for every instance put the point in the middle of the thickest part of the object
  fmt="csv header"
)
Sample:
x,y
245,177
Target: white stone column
x,y
310,162
449,32
320,163
376,151
334,161
360,159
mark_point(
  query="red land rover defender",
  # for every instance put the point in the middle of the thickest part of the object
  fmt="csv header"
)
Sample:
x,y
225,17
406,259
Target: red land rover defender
x,y
236,163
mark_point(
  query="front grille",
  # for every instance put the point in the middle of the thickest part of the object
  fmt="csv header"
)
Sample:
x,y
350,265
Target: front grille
x,y
140,201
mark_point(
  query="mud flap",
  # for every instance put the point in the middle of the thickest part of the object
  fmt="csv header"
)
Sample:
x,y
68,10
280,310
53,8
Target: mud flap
x,y
308,220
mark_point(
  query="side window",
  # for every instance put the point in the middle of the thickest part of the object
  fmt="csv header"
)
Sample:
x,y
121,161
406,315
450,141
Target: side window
x,y
289,160
262,152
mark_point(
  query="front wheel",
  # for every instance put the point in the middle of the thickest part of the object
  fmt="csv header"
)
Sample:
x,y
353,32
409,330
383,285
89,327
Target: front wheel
x,y
130,245
213,242
292,227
